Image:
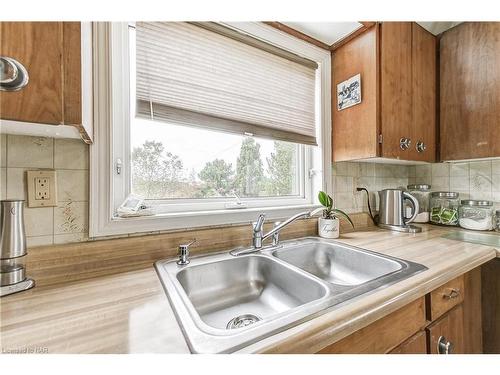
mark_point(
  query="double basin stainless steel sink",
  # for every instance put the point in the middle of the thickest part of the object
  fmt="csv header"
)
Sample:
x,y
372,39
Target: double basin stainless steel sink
x,y
224,302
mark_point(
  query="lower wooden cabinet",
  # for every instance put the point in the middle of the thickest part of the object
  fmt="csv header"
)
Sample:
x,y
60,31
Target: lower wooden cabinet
x,y
446,321
446,335
417,344
383,335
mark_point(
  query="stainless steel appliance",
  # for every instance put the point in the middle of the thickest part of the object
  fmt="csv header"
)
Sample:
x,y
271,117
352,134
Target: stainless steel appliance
x,y
12,248
392,211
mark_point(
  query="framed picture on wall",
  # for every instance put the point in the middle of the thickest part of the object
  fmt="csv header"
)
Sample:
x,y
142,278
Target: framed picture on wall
x,y
349,92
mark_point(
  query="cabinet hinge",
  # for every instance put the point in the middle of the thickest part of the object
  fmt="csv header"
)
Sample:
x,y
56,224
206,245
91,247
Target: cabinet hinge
x,y
380,138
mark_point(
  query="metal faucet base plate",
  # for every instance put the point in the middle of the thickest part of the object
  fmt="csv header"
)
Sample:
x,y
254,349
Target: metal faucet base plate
x,y
401,228
18,287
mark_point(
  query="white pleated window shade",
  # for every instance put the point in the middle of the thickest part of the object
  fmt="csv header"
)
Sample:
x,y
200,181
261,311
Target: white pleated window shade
x,y
189,74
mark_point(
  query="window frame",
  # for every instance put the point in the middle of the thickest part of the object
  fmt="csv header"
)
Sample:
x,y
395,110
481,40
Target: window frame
x,y
112,142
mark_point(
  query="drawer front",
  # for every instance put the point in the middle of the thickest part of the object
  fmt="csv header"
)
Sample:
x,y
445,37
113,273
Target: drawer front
x,y
417,344
384,334
447,332
446,297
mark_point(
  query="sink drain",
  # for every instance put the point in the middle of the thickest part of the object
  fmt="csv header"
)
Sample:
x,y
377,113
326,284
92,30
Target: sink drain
x,y
242,321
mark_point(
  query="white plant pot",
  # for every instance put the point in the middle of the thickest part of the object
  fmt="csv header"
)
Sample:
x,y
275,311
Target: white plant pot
x,y
328,228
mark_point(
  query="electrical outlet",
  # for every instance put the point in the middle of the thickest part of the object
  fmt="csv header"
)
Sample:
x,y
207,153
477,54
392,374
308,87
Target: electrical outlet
x,y
42,188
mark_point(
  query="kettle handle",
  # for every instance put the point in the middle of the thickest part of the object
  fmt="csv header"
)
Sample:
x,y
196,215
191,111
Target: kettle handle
x,y
415,204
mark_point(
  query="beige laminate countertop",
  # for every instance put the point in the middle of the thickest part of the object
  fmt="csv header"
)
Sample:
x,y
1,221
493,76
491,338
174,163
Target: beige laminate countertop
x,y
129,312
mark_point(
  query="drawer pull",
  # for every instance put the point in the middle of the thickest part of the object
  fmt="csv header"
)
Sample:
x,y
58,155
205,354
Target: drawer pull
x,y
444,346
454,293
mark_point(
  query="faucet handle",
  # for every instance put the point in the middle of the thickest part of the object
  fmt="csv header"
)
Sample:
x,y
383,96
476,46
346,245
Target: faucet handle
x,y
257,226
276,235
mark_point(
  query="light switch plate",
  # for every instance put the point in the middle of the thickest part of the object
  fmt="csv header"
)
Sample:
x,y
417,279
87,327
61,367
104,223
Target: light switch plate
x,y
42,190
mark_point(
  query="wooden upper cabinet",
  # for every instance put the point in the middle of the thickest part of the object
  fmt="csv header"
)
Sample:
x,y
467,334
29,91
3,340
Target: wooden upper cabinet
x,y
395,87
424,94
57,57
397,63
355,129
38,46
469,91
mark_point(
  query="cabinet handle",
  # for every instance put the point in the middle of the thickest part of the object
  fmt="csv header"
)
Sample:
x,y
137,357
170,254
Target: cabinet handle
x,y
404,143
13,75
421,147
444,346
454,293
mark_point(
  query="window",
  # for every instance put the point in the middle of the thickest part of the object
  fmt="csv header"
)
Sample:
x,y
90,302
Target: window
x,y
199,146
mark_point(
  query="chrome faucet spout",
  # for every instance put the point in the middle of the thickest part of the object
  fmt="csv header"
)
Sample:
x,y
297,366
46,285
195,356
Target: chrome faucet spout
x,y
300,215
258,235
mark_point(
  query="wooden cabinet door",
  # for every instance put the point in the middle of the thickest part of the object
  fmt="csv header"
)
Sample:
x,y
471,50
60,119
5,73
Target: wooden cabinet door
x,y
450,328
355,129
396,87
469,87
38,46
417,344
384,334
423,124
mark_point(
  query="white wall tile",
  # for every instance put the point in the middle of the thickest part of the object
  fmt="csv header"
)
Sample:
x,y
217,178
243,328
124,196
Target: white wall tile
x,y
71,154
481,195
495,166
72,185
3,183
481,167
459,184
423,172
3,150
440,170
71,217
463,194
72,237
459,170
39,221
344,184
340,168
33,241
440,183
495,182
367,182
344,201
367,169
30,152
16,183
353,169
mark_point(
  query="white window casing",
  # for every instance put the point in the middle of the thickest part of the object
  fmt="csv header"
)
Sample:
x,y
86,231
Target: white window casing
x,y
112,95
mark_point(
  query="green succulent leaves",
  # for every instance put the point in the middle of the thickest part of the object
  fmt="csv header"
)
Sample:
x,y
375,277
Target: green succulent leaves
x,y
329,212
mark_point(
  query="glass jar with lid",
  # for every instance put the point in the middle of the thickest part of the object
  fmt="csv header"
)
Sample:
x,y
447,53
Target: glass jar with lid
x,y
476,215
497,221
444,208
422,193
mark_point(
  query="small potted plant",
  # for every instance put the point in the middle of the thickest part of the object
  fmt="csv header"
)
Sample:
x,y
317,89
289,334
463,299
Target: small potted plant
x,y
328,225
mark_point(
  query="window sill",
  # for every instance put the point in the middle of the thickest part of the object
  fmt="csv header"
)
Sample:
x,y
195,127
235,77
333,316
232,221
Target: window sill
x,y
185,220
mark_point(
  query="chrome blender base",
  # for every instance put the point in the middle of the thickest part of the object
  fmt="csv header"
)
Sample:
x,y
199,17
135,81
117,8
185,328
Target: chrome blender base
x,y
18,287
399,228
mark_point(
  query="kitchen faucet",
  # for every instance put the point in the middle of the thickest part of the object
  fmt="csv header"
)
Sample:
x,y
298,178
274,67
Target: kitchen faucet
x,y
258,236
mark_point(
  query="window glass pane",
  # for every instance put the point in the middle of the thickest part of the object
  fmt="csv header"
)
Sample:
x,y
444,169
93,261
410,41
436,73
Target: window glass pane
x,y
172,161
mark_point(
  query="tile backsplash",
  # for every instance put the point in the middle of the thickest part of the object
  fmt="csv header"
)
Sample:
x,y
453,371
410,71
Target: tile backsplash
x,y
472,180
68,222
347,176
